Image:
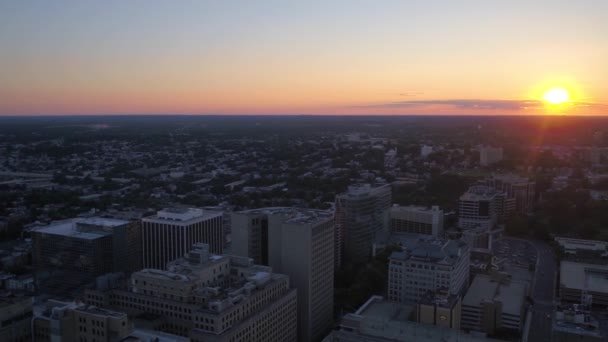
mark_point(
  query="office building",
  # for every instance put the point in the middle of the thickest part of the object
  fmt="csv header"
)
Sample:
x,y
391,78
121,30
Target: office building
x,y
489,155
170,234
579,280
299,243
361,212
520,189
492,304
416,220
15,318
439,308
428,264
379,320
69,321
478,214
71,253
208,298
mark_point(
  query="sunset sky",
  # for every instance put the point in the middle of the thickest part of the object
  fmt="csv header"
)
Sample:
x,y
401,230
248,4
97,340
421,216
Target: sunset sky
x,y
302,57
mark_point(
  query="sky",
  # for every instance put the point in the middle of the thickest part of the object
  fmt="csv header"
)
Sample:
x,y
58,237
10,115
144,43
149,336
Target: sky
x,y
302,57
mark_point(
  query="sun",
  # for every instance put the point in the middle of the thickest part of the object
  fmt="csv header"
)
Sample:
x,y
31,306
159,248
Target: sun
x,y
556,95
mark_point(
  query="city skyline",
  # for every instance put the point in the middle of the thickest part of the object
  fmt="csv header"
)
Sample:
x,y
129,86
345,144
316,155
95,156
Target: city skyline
x,y
472,57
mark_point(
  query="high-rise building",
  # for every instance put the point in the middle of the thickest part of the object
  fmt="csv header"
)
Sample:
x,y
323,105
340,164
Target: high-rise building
x,y
417,220
71,253
170,234
299,243
489,155
69,321
428,264
521,189
479,210
209,298
361,212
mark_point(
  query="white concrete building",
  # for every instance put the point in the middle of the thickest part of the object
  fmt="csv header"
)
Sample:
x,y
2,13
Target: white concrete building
x,y
478,212
170,234
428,264
416,220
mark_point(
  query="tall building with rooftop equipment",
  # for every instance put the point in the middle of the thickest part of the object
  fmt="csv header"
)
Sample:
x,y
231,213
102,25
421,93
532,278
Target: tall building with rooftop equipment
x,y
479,210
299,243
170,234
71,253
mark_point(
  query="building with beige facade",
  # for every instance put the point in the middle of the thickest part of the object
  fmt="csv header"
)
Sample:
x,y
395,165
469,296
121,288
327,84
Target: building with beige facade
x,y
208,297
70,321
297,242
416,220
439,308
425,264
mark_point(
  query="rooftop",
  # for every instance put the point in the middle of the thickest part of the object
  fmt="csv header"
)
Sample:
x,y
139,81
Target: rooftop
x,y
96,227
293,215
431,250
385,320
182,215
479,193
576,275
485,288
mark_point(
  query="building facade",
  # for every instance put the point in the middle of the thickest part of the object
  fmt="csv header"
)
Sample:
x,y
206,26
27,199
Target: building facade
x,y
492,304
424,265
72,253
299,243
479,212
209,298
521,189
15,318
69,321
361,212
170,234
416,220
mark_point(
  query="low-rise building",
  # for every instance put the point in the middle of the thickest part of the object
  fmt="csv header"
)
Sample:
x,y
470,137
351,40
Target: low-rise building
x,y
579,280
574,323
494,304
439,308
379,320
70,321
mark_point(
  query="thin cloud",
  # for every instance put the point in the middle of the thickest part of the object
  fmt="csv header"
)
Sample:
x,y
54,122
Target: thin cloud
x,y
479,104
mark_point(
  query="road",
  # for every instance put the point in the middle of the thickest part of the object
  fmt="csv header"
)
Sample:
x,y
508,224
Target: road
x,y
543,293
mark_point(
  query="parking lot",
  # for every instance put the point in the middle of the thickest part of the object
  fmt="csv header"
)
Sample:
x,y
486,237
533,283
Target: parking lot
x,y
515,253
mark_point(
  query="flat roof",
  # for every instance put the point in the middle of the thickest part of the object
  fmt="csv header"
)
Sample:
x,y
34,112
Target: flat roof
x,y
577,275
69,227
484,287
182,216
293,215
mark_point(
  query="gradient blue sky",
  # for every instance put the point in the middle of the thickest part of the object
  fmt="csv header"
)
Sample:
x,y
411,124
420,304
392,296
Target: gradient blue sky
x,y
313,57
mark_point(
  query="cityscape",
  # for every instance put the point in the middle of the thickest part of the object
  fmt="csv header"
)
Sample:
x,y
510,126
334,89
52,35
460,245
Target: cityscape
x,y
272,171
